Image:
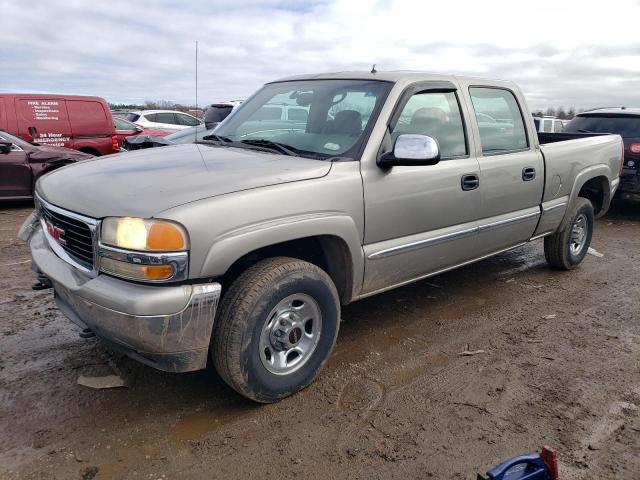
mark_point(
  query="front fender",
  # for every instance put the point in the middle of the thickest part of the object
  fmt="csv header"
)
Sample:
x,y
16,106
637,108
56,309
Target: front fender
x,y
232,245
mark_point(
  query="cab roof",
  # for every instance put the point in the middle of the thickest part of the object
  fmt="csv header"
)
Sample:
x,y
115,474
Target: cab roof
x,y
398,76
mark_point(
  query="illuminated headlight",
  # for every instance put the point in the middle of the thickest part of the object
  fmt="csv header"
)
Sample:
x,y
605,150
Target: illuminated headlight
x,y
143,249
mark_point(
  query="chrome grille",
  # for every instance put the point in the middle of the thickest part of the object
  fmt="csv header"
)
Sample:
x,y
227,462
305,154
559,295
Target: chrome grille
x,y
74,236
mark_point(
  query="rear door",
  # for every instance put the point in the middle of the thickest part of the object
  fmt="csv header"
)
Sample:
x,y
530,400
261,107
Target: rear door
x,y
43,120
89,120
511,170
15,173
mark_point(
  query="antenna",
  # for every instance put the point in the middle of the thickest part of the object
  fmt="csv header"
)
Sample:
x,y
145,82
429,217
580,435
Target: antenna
x,y
373,69
197,87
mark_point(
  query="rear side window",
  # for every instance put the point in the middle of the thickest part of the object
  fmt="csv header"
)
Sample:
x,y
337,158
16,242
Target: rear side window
x,y
436,114
625,126
186,120
165,117
508,133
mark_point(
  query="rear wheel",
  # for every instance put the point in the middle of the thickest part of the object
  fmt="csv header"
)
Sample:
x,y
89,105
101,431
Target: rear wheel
x,y
566,248
276,328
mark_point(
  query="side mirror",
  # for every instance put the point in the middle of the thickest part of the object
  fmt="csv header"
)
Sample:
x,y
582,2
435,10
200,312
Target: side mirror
x,y
410,150
139,129
5,146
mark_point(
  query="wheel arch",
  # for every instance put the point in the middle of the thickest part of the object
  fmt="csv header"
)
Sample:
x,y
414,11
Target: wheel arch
x,y
597,191
593,184
330,242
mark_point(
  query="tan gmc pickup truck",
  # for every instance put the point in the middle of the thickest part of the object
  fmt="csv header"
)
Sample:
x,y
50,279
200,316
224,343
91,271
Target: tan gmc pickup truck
x,y
242,248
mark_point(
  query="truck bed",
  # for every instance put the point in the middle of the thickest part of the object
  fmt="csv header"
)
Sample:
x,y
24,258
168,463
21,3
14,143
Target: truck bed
x,y
566,155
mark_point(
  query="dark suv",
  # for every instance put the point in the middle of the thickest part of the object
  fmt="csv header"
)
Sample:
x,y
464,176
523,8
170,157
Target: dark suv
x,y
626,123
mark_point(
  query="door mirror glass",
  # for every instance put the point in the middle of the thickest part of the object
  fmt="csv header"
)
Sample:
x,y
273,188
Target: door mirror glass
x,y
412,149
5,146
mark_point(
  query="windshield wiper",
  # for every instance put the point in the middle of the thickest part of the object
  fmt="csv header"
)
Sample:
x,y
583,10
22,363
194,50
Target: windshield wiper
x,y
264,143
217,138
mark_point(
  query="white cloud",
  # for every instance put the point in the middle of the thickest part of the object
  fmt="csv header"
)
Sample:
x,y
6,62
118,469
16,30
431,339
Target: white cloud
x,y
570,52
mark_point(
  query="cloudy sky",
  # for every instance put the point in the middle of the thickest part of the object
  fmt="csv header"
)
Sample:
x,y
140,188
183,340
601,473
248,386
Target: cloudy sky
x,y
562,52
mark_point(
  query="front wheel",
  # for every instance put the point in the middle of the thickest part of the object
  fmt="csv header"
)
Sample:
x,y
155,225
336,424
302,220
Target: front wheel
x,y
566,248
277,326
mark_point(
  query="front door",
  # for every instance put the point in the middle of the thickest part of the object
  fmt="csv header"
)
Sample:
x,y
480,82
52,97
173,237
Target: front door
x,y
15,173
421,219
512,170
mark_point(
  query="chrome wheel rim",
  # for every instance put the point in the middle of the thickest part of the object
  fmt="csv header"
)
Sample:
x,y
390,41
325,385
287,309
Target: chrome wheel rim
x,y
290,334
578,234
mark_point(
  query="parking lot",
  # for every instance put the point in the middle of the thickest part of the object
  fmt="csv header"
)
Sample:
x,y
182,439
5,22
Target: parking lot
x,y
555,362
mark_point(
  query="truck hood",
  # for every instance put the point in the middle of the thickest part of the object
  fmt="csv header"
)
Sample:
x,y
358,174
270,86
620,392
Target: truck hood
x,y
146,182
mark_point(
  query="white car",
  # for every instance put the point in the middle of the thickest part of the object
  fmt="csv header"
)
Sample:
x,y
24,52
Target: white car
x,y
549,124
168,120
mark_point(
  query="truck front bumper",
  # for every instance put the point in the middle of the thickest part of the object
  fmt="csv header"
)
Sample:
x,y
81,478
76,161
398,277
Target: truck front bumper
x,y
166,327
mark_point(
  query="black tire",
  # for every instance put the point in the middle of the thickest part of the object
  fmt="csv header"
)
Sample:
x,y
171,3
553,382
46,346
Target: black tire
x,y
235,343
557,247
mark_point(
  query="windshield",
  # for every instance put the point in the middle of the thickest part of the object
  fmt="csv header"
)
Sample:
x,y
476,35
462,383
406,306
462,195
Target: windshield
x,y
625,126
15,140
337,114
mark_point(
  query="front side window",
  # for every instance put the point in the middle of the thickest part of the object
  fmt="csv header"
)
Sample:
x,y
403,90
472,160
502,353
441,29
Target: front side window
x,y
122,125
557,126
337,114
436,114
507,133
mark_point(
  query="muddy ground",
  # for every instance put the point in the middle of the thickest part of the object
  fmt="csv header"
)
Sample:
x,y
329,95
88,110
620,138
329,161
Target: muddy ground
x,y
561,366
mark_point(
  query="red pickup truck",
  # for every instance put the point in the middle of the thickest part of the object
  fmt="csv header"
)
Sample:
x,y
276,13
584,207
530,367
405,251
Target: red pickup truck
x,y
78,122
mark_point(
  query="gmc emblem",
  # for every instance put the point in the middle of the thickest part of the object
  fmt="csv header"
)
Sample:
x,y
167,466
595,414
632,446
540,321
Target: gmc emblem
x,y
56,233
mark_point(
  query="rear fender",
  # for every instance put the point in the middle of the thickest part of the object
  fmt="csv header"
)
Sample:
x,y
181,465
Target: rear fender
x,y
598,170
